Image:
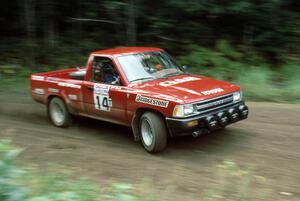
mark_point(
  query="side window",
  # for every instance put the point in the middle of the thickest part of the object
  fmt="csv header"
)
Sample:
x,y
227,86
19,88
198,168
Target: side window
x,y
104,71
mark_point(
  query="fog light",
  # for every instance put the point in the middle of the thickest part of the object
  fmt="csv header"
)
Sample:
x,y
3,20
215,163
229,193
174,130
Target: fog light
x,y
233,114
212,123
223,119
192,123
243,111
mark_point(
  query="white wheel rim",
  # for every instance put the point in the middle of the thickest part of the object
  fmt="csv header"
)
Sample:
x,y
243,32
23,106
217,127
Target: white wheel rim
x,y
147,133
57,113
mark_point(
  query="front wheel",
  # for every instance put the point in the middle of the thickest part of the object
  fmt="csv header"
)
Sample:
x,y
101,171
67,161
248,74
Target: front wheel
x,y
58,113
153,132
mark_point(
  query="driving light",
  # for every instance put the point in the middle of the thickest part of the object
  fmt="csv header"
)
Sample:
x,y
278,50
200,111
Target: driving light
x,y
192,123
183,110
237,96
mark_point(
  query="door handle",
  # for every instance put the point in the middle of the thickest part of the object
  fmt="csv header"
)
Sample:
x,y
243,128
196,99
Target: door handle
x,y
90,88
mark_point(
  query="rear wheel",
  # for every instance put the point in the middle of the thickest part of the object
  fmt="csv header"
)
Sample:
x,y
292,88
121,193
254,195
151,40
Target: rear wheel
x,y
153,132
58,113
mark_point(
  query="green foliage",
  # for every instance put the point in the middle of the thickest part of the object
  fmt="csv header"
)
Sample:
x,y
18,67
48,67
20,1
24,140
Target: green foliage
x,y
270,27
256,84
223,39
245,67
290,76
10,187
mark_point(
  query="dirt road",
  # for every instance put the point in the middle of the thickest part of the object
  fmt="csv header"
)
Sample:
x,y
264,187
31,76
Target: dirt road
x,y
269,141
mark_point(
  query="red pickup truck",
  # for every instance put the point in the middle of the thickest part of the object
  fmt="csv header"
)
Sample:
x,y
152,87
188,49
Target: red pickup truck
x,y
143,88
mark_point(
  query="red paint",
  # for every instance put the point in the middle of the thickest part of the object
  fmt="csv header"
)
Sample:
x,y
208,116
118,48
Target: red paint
x,y
124,105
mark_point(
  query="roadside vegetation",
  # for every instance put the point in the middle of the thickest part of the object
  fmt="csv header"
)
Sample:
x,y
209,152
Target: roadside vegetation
x,y
31,184
259,80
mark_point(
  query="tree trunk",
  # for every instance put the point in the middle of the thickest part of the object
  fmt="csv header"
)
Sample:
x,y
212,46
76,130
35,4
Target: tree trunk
x,y
29,14
131,24
49,24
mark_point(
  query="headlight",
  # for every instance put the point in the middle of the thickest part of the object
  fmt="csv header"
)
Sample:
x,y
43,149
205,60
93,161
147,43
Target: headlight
x,y
183,110
237,96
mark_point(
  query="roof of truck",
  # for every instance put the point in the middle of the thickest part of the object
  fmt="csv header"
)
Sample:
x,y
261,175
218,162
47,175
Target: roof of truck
x,y
126,50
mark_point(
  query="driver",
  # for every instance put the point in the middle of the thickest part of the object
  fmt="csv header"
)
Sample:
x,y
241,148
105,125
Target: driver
x,y
110,74
158,67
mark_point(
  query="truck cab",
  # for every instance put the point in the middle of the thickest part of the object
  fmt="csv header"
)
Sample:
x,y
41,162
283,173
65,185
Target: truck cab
x,y
140,87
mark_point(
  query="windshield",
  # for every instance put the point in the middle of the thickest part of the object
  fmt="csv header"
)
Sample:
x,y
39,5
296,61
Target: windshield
x,y
148,66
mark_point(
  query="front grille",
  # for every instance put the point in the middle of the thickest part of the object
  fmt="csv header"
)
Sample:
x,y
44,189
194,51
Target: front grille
x,y
210,104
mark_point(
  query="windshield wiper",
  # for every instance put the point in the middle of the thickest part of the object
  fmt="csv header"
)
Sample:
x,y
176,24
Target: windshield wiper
x,y
143,78
174,73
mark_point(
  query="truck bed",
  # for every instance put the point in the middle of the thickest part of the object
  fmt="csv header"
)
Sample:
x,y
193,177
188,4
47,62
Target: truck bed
x,y
63,82
64,74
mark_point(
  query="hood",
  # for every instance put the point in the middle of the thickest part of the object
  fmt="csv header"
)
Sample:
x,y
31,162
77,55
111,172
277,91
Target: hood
x,y
187,88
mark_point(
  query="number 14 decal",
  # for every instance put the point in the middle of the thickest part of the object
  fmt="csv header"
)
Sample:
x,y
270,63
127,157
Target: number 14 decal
x,y
101,97
102,102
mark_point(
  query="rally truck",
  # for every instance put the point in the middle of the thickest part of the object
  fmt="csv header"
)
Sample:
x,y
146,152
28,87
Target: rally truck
x,y
142,88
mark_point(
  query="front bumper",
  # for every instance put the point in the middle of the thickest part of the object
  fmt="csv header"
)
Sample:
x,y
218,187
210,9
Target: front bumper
x,y
207,122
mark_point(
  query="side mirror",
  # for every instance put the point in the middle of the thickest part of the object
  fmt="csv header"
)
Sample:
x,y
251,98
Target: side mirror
x,y
184,68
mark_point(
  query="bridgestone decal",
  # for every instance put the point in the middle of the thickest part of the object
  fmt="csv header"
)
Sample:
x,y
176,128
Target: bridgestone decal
x,y
151,101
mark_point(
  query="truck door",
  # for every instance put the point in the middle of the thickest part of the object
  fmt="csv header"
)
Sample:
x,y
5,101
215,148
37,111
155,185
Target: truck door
x,y
104,96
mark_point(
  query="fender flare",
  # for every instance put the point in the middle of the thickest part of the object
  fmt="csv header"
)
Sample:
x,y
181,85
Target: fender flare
x,y
64,97
135,124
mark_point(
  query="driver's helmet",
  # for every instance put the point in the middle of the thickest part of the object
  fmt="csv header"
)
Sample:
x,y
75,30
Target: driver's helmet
x,y
158,67
109,72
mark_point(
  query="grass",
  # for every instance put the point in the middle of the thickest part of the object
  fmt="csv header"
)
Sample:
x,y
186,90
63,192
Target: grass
x,y
14,78
15,85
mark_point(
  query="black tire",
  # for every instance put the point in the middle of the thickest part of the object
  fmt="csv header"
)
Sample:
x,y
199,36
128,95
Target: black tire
x,y
156,124
58,113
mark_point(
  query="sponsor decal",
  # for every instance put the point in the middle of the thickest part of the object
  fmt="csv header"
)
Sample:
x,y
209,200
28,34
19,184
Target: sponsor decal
x,y
187,90
62,84
212,91
37,77
38,91
52,79
151,101
115,87
101,89
177,81
101,97
53,90
72,97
